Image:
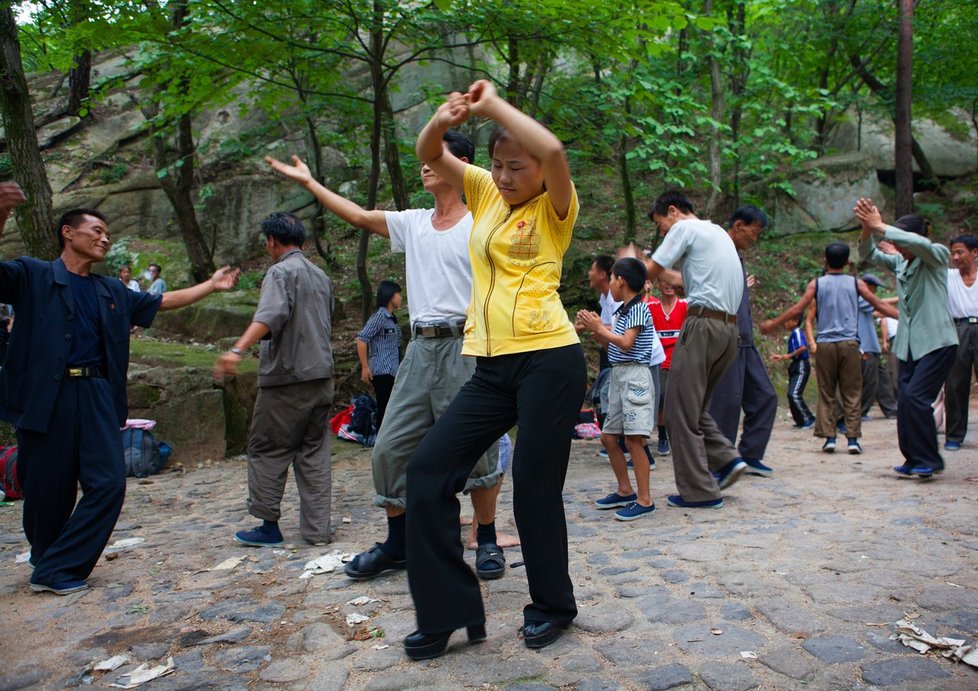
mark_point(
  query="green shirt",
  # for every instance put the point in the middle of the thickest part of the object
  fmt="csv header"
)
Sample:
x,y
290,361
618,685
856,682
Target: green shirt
x,y
925,324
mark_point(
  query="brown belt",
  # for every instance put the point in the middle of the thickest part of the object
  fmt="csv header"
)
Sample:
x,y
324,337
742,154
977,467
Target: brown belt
x,y
440,330
713,314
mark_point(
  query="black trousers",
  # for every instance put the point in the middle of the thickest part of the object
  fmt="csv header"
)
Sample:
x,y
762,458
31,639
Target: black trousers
x,y
876,387
798,373
746,385
541,392
83,445
383,385
920,382
957,390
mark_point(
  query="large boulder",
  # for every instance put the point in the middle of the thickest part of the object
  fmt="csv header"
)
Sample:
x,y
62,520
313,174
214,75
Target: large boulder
x,y
950,145
188,410
824,193
221,315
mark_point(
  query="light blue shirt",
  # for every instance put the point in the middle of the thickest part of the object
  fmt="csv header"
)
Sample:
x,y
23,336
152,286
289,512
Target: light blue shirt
x,y
706,257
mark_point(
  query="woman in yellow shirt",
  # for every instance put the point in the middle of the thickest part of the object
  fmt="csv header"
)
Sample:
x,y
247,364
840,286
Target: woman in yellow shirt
x,y
530,372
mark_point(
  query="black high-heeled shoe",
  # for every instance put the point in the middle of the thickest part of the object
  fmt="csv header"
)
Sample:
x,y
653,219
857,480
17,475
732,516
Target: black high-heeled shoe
x,y
424,646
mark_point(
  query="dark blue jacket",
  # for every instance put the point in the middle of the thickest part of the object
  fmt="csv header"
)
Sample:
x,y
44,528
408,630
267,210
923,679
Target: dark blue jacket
x,y
41,338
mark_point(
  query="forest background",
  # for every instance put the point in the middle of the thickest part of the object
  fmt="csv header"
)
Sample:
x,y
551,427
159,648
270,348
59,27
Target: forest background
x,y
734,101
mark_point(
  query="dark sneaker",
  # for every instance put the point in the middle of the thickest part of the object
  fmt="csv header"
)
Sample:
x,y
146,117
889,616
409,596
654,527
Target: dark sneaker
x,y
372,563
809,424
829,445
730,473
925,472
662,448
603,452
490,562
633,511
260,537
952,446
841,426
68,587
679,502
614,501
755,467
906,470
854,447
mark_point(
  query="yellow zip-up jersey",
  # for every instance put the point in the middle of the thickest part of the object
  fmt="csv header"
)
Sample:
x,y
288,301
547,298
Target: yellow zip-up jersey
x,y
517,254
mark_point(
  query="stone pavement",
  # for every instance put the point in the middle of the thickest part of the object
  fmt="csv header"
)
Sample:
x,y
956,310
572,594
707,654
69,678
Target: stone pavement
x,y
807,570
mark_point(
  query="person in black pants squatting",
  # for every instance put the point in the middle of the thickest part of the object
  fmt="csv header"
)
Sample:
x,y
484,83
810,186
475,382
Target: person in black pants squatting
x,y
63,384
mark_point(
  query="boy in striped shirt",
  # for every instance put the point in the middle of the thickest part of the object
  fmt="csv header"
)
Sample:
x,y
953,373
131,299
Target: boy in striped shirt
x,y
630,408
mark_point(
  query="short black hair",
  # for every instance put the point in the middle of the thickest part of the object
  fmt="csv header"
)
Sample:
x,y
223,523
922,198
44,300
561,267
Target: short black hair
x,y
385,292
604,262
749,215
72,218
460,145
159,269
498,133
837,255
966,239
912,223
632,271
660,207
284,227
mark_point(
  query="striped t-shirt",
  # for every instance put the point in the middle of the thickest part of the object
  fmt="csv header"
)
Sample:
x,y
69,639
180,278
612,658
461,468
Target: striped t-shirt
x,y
629,316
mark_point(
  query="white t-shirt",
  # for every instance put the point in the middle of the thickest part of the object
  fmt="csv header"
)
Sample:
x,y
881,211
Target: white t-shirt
x,y
439,275
658,352
891,327
705,255
608,308
962,301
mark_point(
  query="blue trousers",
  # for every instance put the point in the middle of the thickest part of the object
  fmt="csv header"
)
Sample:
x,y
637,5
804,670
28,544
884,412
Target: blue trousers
x,y
920,382
746,385
541,392
83,446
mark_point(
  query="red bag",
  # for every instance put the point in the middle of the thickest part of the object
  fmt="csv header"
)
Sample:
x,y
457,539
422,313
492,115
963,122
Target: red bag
x,y
341,418
8,473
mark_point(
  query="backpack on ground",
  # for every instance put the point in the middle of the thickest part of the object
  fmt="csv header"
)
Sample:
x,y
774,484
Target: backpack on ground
x,y
363,419
8,473
142,453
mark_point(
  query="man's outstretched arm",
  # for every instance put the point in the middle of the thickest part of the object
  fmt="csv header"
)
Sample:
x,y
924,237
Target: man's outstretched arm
x,y
351,212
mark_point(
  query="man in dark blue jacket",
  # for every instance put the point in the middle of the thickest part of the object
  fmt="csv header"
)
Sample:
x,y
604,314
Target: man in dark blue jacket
x,y
63,385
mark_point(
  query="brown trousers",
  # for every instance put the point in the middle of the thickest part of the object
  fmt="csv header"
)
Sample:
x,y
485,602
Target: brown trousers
x,y
289,428
839,364
706,348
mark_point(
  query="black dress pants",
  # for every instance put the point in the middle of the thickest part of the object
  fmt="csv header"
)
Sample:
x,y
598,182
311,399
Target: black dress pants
x,y
541,392
920,382
798,373
383,385
83,445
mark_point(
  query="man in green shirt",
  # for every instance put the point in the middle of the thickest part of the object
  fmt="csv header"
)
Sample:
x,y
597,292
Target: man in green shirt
x,y
926,341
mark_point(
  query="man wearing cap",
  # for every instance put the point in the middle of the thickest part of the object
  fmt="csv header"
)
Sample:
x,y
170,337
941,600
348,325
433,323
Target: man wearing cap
x,y
962,298
876,384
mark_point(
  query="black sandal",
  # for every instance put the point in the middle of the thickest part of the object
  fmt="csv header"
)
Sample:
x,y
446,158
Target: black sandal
x,y
490,562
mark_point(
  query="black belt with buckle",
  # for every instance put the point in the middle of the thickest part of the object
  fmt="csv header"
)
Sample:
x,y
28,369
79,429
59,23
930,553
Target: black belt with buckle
x,y
700,311
445,330
966,320
84,372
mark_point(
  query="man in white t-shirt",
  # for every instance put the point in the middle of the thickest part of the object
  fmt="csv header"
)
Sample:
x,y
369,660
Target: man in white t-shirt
x,y
435,243
962,298
704,459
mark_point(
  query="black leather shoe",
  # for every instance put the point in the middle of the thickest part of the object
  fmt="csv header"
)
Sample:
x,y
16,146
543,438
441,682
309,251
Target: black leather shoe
x,y
372,563
540,634
424,646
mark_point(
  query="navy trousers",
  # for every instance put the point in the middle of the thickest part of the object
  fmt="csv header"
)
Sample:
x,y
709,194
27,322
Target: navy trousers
x,y
541,391
746,385
798,373
83,446
920,382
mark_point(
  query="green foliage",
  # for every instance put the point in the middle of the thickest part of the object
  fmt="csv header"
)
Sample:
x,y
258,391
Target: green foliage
x,y
114,173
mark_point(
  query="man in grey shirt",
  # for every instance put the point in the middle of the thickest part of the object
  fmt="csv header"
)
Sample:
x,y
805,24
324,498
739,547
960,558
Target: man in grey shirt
x,y
295,388
714,282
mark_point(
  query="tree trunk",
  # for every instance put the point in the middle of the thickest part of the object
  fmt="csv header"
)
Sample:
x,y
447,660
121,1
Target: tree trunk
x,y
35,217
392,157
79,79
513,93
376,142
903,152
716,113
